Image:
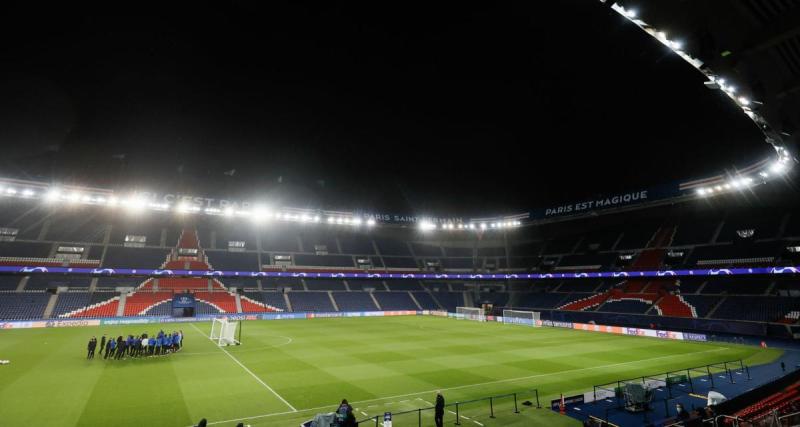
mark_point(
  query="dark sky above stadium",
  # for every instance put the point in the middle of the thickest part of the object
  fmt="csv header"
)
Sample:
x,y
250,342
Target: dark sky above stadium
x,y
486,109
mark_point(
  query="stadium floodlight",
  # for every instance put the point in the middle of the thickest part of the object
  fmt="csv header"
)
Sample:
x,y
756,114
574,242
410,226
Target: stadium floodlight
x,y
777,167
113,201
86,198
370,222
483,226
11,191
52,196
356,221
135,204
701,191
260,213
74,197
228,211
331,220
317,218
426,225
27,192
744,101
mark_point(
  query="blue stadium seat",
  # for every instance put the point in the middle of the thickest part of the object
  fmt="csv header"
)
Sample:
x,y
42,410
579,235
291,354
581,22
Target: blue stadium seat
x,y
354,301
400,262
324,260
22,305
25,249
121,257
70,301
274,299
325,285
9,282
403,285
310,301
233,261
425,300
358,284
625,306
450,300
395,301
356,244
45,281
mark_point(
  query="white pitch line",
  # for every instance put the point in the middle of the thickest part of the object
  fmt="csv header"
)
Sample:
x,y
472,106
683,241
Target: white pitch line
x,y
250,372
611,365
477,423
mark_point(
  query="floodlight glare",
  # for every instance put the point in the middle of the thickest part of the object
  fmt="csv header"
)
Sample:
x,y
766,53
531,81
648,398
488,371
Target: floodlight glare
x,y
74,197
370,222
777,168
27,192
331,220
356,221
229,211
52,196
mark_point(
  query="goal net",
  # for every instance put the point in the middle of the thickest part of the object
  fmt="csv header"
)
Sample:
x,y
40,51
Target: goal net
x,y
470,313
223,332
518,317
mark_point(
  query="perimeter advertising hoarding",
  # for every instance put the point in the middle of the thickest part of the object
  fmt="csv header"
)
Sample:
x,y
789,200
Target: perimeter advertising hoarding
x,y
673,335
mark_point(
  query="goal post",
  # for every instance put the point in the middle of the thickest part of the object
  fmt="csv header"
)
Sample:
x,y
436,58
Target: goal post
x,y
519,317
470,313
223,332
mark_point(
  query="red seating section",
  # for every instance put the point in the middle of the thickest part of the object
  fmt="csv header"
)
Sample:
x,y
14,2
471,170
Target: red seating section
x,y
583,304
105,309
223,300
138,302
188,239
674,305
775,402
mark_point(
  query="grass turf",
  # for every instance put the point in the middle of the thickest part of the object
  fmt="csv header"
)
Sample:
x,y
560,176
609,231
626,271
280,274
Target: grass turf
x,y
287,370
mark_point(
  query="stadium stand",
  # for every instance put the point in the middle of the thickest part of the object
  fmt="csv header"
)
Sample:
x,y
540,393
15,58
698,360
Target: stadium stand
x,y
310,301
9,283
395,300
233,261
23,305
354,301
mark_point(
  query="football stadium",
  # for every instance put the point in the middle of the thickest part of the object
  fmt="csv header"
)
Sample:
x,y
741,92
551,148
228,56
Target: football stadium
x,y
187,240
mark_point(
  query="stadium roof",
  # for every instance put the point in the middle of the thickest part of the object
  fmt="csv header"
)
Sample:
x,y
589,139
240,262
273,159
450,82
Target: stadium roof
x,y
504,106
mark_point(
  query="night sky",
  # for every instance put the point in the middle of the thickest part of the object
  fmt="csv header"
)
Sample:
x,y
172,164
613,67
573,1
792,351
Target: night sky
x,y
405,108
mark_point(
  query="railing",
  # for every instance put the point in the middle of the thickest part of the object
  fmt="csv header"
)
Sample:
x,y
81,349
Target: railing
x,y
455,409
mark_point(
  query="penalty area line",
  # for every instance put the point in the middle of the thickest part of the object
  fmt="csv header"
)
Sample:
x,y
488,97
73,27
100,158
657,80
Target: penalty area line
x,y
249,372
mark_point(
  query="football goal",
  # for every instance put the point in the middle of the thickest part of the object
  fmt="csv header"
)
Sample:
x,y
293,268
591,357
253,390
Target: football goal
x,y
470,313
223,332
518,317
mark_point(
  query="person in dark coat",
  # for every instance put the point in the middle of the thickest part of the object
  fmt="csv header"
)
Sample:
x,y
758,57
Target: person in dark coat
x,y
91,347
344,415
102,343
438,415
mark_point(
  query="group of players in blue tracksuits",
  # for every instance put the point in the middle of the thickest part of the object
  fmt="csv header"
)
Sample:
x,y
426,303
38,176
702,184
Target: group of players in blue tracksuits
x,y
137,346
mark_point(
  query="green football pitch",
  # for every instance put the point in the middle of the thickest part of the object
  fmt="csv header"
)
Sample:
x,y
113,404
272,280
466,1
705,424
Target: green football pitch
x,y
285,371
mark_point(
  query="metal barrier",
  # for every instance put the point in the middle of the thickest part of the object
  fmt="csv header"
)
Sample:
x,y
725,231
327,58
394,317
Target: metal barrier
x,y
455,409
